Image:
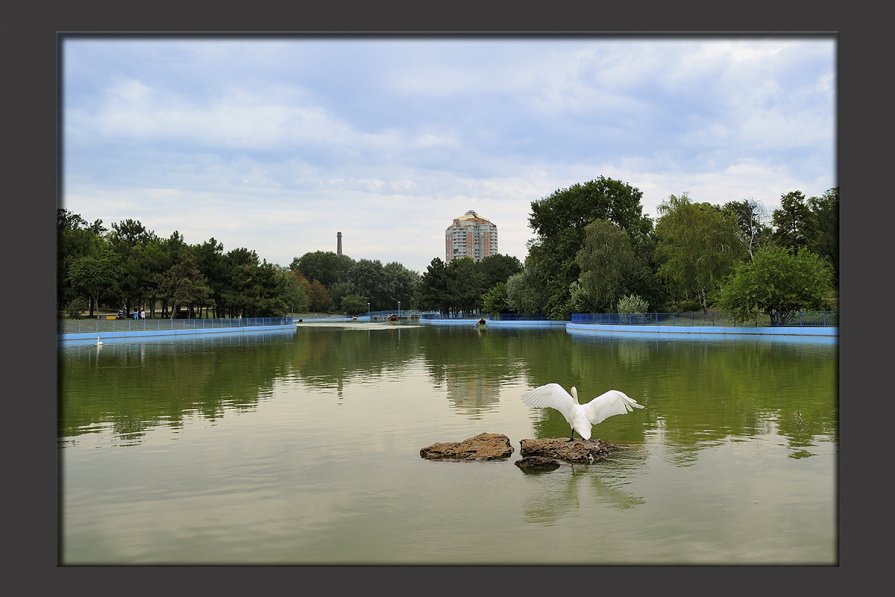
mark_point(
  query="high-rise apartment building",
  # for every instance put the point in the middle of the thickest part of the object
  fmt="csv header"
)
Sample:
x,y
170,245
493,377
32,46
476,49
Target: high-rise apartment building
x,y
470,236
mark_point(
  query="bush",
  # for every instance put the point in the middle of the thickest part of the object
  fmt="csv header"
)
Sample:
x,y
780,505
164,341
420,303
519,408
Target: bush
x,y
632,303
76,306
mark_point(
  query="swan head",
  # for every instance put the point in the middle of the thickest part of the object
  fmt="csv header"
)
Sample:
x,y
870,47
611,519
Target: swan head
x,y
575,393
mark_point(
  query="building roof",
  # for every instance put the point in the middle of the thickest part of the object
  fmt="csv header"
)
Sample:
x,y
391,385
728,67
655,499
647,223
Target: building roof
x,y
471,217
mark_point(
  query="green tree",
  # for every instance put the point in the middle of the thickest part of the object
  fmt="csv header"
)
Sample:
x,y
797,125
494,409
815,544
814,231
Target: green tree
x,y
606,260
432,292
401,283
750,216
94,273
325,266
698,245
523,294
559,221
212,264
494,301
778,283
497,268
319,298
465,284
792,221
354,304
368,278
75,239
131,242
824,234
294,291
184,285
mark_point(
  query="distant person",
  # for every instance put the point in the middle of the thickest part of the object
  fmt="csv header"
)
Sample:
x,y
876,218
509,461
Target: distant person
x,y
136,314
142,313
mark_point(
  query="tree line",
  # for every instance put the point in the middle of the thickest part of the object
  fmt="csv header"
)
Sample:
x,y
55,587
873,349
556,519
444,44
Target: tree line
x,y
593,251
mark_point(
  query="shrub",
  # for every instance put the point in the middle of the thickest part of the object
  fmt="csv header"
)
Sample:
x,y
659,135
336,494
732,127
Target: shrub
x,y
632,303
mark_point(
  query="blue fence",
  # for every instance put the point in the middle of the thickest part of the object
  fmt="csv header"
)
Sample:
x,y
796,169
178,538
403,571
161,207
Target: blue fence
x,y
83,326
698,318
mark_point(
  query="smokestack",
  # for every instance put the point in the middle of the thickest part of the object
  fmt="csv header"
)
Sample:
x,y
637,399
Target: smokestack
x,y
338,243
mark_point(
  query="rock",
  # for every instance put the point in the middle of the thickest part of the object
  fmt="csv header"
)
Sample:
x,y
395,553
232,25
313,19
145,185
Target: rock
x,y
537,464
578,451
485,446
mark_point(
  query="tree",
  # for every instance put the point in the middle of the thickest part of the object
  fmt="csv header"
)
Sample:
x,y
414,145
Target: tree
x,y
432,292
294,291
319,298
94,273
559,221
606,260
494,301
792,221
750,217
325,266
130,241
75,239
368,278
401,283
497,268
184,285
211,262
778,283
824,234
523,295
354,304
465,284
698,246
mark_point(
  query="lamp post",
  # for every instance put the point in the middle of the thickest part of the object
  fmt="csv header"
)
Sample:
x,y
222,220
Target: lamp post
x,y
369,313
399,309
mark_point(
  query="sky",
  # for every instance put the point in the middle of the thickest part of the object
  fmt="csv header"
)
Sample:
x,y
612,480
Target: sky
x,y
276,144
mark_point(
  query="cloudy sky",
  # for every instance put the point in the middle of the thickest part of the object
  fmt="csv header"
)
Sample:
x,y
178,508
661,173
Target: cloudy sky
x,y
277,144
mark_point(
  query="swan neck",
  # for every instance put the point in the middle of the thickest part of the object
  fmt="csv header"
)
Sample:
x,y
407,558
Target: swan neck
x,y
575,393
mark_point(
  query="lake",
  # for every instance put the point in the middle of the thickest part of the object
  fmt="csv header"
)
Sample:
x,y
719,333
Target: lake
x,y
304,448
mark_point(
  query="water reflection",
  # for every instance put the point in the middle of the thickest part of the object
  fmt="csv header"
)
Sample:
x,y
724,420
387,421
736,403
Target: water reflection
x,y
696,393
586,487
138,386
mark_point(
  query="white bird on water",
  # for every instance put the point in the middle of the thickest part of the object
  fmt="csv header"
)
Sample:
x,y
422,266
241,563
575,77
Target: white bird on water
x,y
581,417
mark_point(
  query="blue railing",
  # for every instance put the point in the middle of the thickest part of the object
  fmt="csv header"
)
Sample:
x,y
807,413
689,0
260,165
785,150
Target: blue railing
x,y
803,318
81,326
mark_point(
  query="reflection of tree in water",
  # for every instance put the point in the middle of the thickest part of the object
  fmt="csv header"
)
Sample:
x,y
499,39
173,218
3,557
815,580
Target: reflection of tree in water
x,y
699,392
134,387
572,487
472,365
328,357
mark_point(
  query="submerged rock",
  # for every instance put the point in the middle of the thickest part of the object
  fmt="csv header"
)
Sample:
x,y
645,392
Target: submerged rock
x,y
578,451
485,446
537,464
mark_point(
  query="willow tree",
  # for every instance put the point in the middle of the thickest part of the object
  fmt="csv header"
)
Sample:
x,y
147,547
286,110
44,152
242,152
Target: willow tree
x,y
606,260
698,244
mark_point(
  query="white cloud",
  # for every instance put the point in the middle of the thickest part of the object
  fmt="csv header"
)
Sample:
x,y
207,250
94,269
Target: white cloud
x,y
275,145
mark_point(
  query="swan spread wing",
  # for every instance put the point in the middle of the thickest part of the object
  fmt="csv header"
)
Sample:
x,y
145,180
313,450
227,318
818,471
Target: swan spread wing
x,y
551,395
609,404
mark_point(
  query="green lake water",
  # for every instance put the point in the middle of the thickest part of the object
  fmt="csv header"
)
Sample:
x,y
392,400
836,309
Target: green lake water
x,y
304,448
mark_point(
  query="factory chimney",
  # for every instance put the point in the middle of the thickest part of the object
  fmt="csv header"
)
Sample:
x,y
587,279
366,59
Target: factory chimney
x,y
338,243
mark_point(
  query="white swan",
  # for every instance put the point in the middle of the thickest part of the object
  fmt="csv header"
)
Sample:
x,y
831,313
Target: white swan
x,y
98,341
581,417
